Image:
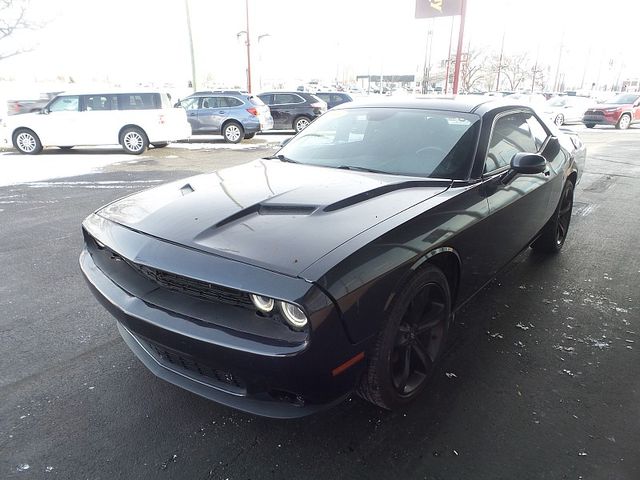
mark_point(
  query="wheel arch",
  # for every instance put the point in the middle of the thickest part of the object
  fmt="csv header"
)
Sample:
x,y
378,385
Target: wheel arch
x,y
130,125
446,259
228,121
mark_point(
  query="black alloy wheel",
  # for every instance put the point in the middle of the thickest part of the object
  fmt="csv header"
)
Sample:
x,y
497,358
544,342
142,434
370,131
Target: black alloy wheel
x,y
411,341
554,233
564,215
419,340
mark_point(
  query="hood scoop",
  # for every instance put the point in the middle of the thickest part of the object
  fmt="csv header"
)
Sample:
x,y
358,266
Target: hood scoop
x,y
268,209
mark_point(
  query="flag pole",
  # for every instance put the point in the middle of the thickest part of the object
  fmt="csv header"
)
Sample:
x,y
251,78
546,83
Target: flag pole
x,y
456,72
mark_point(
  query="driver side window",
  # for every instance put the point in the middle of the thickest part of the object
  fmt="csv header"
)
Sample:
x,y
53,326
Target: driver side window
x,y
511,134
65,104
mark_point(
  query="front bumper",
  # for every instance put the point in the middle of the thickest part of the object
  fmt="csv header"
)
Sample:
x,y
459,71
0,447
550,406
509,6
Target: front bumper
x,y
280,378
601,119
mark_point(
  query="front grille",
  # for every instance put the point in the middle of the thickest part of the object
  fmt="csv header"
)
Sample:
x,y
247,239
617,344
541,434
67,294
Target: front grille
x,y
594,113
186,365
195,288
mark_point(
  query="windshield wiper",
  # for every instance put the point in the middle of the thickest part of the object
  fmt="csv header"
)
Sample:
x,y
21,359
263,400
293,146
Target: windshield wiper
x,y
362,169
280,157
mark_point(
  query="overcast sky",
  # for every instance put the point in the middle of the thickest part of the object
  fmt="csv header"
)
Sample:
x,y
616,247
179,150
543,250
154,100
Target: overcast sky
x,y
146,40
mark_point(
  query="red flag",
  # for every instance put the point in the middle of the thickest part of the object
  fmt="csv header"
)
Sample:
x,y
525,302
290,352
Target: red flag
x,y
437,8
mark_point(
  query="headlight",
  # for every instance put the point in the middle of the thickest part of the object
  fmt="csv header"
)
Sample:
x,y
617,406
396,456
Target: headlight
x,y
264,304
293,315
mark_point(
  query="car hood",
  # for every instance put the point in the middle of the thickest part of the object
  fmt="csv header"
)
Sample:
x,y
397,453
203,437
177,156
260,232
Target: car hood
x,y
604,106
275,215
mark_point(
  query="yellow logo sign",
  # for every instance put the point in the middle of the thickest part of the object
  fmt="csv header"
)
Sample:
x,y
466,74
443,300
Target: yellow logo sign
x,y
436,4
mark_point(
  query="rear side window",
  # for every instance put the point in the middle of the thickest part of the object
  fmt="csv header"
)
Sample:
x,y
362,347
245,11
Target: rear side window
x,y
284,98
99,102
139,101
229,102
267,98
210,102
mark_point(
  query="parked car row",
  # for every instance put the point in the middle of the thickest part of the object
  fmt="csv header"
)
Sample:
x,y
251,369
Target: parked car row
x,y
133,119
236,115
621,111
137,119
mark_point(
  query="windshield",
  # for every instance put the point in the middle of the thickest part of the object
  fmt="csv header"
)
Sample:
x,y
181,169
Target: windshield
x,y
624,98
557,102
411,142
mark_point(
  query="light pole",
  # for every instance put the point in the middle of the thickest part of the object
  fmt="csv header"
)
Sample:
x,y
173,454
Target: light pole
x,y
248,45
261,65
193,60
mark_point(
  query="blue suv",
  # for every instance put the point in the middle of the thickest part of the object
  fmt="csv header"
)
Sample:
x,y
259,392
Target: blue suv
x,y
231,113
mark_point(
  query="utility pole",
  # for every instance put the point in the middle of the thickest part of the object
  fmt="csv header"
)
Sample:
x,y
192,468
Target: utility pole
x,y
248,50
500,61
446,76
456,70
193,60
555,82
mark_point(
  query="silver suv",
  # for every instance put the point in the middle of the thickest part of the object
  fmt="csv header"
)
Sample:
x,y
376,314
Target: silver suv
x,y
231,113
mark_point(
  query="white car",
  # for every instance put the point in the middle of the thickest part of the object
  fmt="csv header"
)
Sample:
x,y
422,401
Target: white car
x,y
134,119
566,109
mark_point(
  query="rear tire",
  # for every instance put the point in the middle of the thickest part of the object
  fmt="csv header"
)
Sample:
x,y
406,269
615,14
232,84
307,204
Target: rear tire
x,y
300,124
233,132
134,140
160,144
26,141
589,125
66,147
624,121
249,136
410,342
554,233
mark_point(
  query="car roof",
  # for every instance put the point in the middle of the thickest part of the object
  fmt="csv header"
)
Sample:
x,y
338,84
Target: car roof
x,y
111,91
220,92
460,103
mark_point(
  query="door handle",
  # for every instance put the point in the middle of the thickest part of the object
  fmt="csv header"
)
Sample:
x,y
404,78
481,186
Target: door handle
x,y
222,111
193,114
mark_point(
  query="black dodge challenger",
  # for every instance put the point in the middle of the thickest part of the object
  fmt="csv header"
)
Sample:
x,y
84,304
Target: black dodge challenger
x,y
280,286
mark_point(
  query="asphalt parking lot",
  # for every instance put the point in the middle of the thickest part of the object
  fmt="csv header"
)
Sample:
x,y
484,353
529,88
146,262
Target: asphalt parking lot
x,y
541,379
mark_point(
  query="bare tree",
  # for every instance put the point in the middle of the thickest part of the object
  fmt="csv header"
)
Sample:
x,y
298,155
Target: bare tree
x,y
516,69
473,70
13,20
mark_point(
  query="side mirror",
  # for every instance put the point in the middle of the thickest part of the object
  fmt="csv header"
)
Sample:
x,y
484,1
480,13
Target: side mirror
x,y
285,141
526,164
45,111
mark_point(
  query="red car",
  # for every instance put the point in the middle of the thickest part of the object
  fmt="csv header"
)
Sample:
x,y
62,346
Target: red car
x,y
621,111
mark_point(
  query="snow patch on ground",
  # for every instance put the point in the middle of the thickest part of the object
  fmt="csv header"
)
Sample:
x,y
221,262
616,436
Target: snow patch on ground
x,y
18,168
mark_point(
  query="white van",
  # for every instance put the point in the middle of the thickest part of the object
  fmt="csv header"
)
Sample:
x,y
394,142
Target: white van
x,y
134,119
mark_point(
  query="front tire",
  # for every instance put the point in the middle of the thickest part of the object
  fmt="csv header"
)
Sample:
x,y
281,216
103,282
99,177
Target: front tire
x,y
65,147
249,136
624,121
134,140
554,233
589,125
233,132
300,124
26,141
559,120
160,144
410,342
